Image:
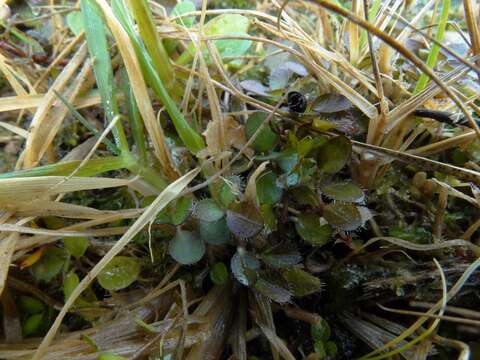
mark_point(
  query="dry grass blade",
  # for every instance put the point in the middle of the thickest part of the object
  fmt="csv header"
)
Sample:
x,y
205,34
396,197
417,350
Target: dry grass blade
x,y
12,103
27,189
406,108
442,317
38,231
418,247
54,208
166,196
11,77
14,129
423,163
38,130
7,247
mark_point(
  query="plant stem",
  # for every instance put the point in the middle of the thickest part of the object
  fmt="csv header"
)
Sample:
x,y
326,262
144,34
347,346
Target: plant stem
x,y
143,16
134,117
192,140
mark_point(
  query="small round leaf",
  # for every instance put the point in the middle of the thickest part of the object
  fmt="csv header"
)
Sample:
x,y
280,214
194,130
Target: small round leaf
x,y
50,264
208,210
242,226
244,268
76,246
268,192
334,155
301,283
186,247
31,305
266,139
219,273
346,191
182,211
343,216
215,233
33,324
308,226
119,273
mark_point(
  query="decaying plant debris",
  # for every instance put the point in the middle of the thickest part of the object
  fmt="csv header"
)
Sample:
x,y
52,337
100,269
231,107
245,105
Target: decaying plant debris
x,y
239,179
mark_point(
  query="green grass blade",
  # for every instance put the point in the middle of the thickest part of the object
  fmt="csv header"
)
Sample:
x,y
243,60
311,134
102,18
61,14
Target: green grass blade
x,y
111,146
102,65
20,35
434,51
92,168
192,140
143,16
135,119
372,14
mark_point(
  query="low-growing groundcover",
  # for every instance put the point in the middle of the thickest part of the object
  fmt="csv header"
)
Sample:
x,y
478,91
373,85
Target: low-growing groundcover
x,y
239,180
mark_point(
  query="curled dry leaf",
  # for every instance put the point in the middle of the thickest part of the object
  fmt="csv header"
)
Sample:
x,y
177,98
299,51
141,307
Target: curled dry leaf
x,y
234,135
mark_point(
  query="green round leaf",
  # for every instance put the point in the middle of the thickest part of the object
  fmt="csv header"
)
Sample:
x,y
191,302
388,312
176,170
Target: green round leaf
x,y
229,24
208,210
334,155
50,264
266,139
76,246
183,8
119,273
215,233
31,305
245,268
331,349
230,187
303,195
319,347
309,227
320,331
300,282
343,216
287,160
268,192
347,191
183,209
186,247
219,273
33,324
70,282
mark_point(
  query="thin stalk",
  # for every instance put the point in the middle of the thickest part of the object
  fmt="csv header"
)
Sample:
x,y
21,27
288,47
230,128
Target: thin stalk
x,y
160,59
135,119
111,146
434,51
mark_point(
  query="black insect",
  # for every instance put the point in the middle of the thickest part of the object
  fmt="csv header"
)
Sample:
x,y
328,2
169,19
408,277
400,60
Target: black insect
x,y
296,102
